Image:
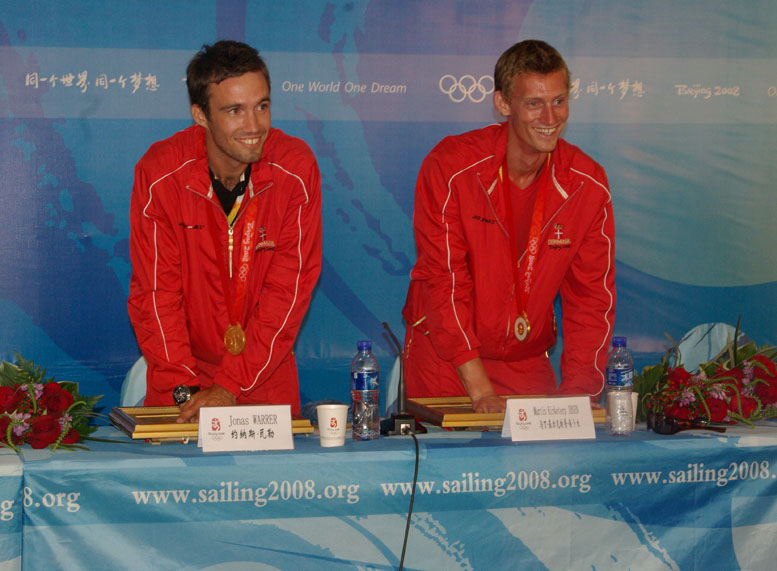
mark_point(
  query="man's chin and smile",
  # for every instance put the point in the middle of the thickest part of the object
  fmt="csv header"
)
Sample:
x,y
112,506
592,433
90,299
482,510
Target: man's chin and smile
x,y
242,149
540,139
250,147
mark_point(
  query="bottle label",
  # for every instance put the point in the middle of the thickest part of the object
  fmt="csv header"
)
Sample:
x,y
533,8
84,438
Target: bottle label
x,y
620,416
365,381
620,377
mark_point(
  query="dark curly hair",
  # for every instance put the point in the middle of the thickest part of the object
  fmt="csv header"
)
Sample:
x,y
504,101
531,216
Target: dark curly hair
x,y
214,64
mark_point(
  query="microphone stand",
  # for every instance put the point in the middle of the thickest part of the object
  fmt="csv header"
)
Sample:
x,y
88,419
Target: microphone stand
x,y
400,422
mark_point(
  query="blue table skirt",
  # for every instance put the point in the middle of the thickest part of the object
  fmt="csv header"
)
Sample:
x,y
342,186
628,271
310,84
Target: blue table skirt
x,y
695,500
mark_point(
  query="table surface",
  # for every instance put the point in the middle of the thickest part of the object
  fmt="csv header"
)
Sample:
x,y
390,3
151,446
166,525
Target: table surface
x,y
688,501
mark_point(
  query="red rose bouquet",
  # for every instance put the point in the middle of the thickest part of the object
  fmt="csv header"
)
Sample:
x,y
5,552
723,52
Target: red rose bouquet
x,y
41,412
739,385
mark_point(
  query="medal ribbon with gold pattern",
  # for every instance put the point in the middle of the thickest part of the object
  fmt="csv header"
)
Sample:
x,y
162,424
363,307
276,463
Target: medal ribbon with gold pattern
x,y
234,336
523,283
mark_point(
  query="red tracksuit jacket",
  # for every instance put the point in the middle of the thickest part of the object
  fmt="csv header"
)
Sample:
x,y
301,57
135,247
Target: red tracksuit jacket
x,y
177,304
462,284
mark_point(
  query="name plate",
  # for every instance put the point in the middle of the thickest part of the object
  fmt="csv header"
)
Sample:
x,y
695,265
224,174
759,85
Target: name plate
x,y
556,418
245,428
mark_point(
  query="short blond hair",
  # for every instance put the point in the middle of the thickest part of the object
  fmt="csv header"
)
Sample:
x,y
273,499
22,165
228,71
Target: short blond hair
x,y
528,56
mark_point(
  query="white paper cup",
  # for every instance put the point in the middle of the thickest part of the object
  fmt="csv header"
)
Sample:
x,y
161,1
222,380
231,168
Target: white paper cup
x,y
331,423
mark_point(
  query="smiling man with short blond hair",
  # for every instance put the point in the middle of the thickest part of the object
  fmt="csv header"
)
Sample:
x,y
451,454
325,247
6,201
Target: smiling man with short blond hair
x,y
507,217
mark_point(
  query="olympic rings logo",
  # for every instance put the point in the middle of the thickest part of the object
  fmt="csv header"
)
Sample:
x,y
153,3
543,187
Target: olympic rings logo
x,y
466,87
242,273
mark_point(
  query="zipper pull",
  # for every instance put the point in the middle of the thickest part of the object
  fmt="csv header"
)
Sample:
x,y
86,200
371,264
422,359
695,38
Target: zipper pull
x,y
231,247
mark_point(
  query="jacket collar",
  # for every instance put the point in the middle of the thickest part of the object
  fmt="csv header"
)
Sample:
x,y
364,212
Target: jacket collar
x,y
499,144
558,175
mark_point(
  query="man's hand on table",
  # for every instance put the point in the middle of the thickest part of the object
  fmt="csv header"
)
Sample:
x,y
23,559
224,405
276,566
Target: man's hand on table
x,y
475,380
212,396
489,403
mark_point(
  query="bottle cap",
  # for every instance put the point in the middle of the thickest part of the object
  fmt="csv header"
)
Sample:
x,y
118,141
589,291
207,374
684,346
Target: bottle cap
x,y
618,341
364,345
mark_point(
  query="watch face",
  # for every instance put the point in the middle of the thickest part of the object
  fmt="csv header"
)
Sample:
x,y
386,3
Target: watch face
x,y
181,394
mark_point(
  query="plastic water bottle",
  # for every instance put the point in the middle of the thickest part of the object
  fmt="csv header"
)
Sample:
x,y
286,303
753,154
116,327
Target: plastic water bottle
x,y
365,390
620,380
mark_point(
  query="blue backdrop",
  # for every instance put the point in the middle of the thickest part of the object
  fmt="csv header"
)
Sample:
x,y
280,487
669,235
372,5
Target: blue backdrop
x,y
678,101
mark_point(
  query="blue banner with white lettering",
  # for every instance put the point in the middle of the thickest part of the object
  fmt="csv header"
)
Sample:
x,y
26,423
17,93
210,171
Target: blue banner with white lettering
x,y
11,505
678,101
691,501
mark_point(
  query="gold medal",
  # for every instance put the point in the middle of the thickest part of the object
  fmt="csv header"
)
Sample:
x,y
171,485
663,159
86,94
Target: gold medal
x,y
522,327
235,339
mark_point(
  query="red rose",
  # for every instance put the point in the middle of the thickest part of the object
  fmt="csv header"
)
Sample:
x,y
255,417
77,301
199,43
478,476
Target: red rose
x,y
4,422
767,391
677,411
771,368
732,376
678,377
10,398
72,437
718,409
748,405
55,399
44,430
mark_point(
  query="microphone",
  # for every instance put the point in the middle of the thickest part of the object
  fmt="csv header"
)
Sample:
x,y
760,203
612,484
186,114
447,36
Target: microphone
x,y
400,422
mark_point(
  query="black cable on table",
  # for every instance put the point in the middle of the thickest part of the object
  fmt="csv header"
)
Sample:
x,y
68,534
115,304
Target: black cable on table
x,y
412,499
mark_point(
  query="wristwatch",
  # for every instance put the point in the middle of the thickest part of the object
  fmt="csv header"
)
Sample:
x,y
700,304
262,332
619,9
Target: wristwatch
x,y
183,393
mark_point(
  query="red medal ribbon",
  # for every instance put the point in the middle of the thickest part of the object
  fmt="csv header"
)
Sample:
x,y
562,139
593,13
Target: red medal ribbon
x,y
523,283
246,248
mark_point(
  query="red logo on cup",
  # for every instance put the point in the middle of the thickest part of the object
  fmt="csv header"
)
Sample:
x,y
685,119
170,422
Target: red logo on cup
x,y
333,422
215,424
522,416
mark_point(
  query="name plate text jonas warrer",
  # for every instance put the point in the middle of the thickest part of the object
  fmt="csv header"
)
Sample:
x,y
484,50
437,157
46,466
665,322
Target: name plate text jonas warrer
x,y
243,428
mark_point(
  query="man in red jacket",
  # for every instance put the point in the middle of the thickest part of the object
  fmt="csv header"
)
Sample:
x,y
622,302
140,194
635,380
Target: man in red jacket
x,y
225,243
506,217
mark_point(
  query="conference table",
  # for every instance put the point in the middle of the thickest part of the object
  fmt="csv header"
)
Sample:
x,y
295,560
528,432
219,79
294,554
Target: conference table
x,y
693,500
10,509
